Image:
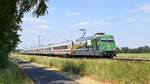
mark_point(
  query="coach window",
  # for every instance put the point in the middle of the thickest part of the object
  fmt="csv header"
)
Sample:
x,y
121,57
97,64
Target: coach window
x,y
49,48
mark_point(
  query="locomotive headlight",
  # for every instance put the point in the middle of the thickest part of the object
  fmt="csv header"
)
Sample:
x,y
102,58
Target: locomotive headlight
x,y
114,48
100,51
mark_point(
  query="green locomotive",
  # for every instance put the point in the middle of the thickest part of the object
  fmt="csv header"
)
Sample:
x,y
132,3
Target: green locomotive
x,y
98,45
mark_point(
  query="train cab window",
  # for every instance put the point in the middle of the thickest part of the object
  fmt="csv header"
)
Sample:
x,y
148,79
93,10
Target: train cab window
x,y
108,41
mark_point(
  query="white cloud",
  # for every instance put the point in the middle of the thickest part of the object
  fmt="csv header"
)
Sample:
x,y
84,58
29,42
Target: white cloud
x,y
87,24
144,8
131,20
72,14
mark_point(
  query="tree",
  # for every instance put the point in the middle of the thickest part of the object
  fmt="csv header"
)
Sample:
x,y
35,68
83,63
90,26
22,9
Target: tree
x,y
11,14
144,49
124,50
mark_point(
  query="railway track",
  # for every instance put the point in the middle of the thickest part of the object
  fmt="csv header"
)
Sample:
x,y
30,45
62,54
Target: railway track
x,y
96,57
121,59
138,60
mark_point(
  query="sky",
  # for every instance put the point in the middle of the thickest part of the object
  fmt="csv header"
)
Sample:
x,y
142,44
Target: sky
x,y
127,20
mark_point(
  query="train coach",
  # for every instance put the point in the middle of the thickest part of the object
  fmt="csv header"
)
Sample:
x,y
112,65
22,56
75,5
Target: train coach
x,y
100,44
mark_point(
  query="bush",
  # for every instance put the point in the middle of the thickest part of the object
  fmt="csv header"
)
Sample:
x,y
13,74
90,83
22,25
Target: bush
x,y
3,59
75,68
32,59
12,74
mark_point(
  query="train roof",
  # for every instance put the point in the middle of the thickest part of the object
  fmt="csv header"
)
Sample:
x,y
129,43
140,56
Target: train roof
x,y
61,44
92,37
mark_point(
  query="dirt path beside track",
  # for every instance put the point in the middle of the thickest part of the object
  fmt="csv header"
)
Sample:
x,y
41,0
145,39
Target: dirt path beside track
x,y
41,76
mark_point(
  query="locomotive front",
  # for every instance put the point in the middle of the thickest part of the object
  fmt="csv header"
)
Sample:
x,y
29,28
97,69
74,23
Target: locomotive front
x,y
106,45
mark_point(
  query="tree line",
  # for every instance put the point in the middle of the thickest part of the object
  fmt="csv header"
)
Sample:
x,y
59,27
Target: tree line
x,y
144,49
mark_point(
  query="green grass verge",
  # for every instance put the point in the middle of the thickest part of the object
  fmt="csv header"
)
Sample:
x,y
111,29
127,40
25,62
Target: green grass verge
x,y
13,75
104,69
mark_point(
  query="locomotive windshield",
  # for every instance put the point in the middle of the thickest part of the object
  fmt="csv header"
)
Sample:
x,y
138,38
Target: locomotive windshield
x,y
108,41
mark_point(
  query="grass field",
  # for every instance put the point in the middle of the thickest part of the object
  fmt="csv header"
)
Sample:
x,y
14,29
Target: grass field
x,y
104,70
134,56
13,75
